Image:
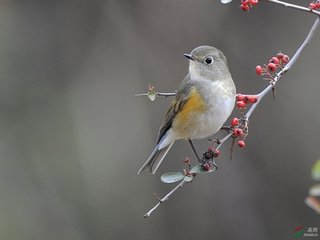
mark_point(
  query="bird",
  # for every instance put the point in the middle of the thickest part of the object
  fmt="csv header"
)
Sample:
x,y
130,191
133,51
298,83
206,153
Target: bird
x,y
203,102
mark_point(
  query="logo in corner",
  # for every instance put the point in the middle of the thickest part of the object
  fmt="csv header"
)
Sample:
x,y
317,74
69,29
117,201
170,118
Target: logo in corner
x,y
302,231
298,231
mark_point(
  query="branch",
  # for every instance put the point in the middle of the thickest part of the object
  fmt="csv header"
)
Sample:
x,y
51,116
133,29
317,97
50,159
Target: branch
x,y
158,94
223,140
286,68
297,7
260,96
165,198
272,84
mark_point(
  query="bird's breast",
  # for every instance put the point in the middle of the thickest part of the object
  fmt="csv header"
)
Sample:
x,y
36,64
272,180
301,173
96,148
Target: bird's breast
x,y
205,112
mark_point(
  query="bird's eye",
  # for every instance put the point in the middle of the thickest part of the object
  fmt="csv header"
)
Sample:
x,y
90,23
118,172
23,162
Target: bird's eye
x,y
208,60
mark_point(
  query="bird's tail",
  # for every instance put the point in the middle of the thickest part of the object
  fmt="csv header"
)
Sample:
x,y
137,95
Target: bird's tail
x,y
155,159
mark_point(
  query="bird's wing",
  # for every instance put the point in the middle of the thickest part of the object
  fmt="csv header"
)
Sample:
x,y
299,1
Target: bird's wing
x,y
176,105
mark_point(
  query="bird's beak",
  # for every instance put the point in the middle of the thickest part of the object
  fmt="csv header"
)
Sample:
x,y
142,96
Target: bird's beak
x,y
189,56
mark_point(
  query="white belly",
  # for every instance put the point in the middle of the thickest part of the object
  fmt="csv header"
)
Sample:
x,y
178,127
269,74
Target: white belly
x,y
212,120
220,103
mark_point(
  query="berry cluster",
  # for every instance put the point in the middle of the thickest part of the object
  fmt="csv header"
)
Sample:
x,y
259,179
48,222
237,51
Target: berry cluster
x,y
275,62
314,5
214,152
243,100
247,4
239,130
207,158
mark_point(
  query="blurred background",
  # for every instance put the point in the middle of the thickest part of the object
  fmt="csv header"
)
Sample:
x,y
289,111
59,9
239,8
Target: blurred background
x,y
73,136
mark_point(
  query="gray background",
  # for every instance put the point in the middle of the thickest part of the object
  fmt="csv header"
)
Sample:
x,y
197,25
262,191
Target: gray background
x,y
72,134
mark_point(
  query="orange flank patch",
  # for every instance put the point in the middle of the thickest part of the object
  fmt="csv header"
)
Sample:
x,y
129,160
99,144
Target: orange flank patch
x,y
185,119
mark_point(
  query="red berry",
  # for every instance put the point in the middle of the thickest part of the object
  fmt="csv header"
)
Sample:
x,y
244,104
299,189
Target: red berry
x,y
246,99
245,2
317,4
234,122
240,97
253,99
313,6
241,104
244,7
285,59
206,166
274,60
241,143
272,67
216,153
280,55
253,2
259,70
238,132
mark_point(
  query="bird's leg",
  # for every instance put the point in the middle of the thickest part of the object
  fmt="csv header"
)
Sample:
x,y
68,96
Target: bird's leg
x,y
194,150
205,159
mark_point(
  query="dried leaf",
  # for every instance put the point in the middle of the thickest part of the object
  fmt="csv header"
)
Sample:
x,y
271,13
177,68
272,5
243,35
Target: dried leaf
x,y
152,96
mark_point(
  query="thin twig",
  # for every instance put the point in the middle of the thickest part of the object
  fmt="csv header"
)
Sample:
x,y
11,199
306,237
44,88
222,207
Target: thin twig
x,y
294,6
165,198
157,94
223,140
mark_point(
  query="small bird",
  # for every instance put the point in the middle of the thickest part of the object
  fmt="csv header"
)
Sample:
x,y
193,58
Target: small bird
x,y
204,101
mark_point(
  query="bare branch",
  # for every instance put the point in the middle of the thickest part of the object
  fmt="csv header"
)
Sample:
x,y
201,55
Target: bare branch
x,y
165,198
294,6
158,94
223,140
